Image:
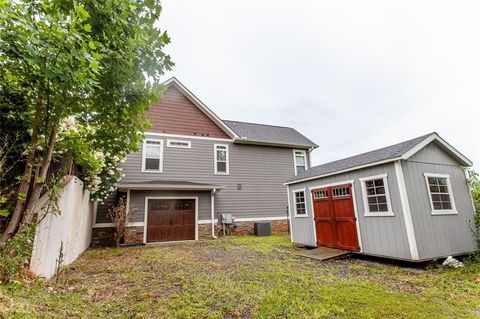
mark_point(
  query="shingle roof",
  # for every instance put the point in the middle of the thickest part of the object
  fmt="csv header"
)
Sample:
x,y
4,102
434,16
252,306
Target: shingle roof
x,y
269,134
389,152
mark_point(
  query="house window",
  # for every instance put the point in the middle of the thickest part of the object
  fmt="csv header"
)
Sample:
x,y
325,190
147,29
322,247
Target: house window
x,y
439,191
221,159
300,203
376,197
300,160
179,144
152,156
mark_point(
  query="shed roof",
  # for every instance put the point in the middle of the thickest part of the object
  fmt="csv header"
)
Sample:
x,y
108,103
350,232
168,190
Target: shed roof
x,y
253,133
403,150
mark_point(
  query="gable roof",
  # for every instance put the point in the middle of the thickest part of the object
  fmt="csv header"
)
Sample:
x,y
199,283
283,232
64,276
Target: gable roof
x,y
253,133
403,150
189,95
248,133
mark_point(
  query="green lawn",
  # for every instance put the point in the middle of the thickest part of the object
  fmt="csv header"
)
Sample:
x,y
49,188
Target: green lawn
x,y
241,277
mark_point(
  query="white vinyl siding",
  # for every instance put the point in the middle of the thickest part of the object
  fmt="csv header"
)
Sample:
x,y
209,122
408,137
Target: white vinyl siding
x,y
152,156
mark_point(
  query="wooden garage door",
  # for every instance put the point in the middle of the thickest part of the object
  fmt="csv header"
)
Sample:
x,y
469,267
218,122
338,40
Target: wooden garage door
x,y
170,220
335,221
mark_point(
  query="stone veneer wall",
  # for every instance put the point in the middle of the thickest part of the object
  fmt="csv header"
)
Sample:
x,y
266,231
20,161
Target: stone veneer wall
x,y
243,228
104,236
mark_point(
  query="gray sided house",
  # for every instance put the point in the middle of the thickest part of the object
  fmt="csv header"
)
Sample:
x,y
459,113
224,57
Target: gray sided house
x,y
408,201
193,166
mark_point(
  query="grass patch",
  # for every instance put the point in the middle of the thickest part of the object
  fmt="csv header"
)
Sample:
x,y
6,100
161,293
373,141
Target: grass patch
x,y
241,277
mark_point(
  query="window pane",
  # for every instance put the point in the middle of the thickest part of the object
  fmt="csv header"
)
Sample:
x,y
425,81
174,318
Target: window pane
x,y
221,156
382,199
222,167
382,208
372,200
442,181
437,205
443,189
371,191
378,182
369,184
435,197
152,151
300,160
381,190
152,164
447,205
373,208
444,198
434,189
432,181
300,169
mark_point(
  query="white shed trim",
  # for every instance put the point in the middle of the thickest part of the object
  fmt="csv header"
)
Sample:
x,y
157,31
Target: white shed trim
x,y
448,147
407,215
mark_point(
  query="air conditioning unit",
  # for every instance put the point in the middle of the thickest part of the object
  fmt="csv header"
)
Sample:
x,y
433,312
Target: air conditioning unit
x,y
262,228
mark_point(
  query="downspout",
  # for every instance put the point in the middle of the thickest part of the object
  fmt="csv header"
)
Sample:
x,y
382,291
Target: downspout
x,y
212,213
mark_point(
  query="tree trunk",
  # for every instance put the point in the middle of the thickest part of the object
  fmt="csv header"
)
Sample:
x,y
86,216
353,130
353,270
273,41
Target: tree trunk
x,y
25,184
37,189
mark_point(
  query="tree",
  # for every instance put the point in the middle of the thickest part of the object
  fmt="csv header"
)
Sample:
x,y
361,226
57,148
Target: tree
x,y
96,63
473,181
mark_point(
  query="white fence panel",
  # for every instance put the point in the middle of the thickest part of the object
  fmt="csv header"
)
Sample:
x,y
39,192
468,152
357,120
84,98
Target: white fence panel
x,y
71,230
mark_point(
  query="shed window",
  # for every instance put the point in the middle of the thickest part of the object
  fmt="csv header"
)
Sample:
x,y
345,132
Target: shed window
x,y
221,159
300,159
376,197
152,156
323,194
342,191
439,190
300,203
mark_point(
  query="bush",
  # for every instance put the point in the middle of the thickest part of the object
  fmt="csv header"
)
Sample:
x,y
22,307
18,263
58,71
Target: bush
x,y
473,181
16,254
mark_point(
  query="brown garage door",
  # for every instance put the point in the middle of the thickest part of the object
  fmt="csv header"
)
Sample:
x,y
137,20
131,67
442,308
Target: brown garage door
x,y
170,220
335,220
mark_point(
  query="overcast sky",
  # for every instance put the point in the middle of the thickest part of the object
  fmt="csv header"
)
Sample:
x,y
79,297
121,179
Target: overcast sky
x,y
350,75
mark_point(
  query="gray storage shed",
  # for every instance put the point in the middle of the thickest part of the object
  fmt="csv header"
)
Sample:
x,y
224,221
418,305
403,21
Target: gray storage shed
x,y
408,201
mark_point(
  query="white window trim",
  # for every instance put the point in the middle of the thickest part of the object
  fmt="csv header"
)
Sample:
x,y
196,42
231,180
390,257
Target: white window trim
x,y
144,153
295,159
215,159
169,144
367,213
434,212
294,192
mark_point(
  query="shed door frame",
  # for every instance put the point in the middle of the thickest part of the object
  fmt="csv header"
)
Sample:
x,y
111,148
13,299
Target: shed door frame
x,y
168,197
355,209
